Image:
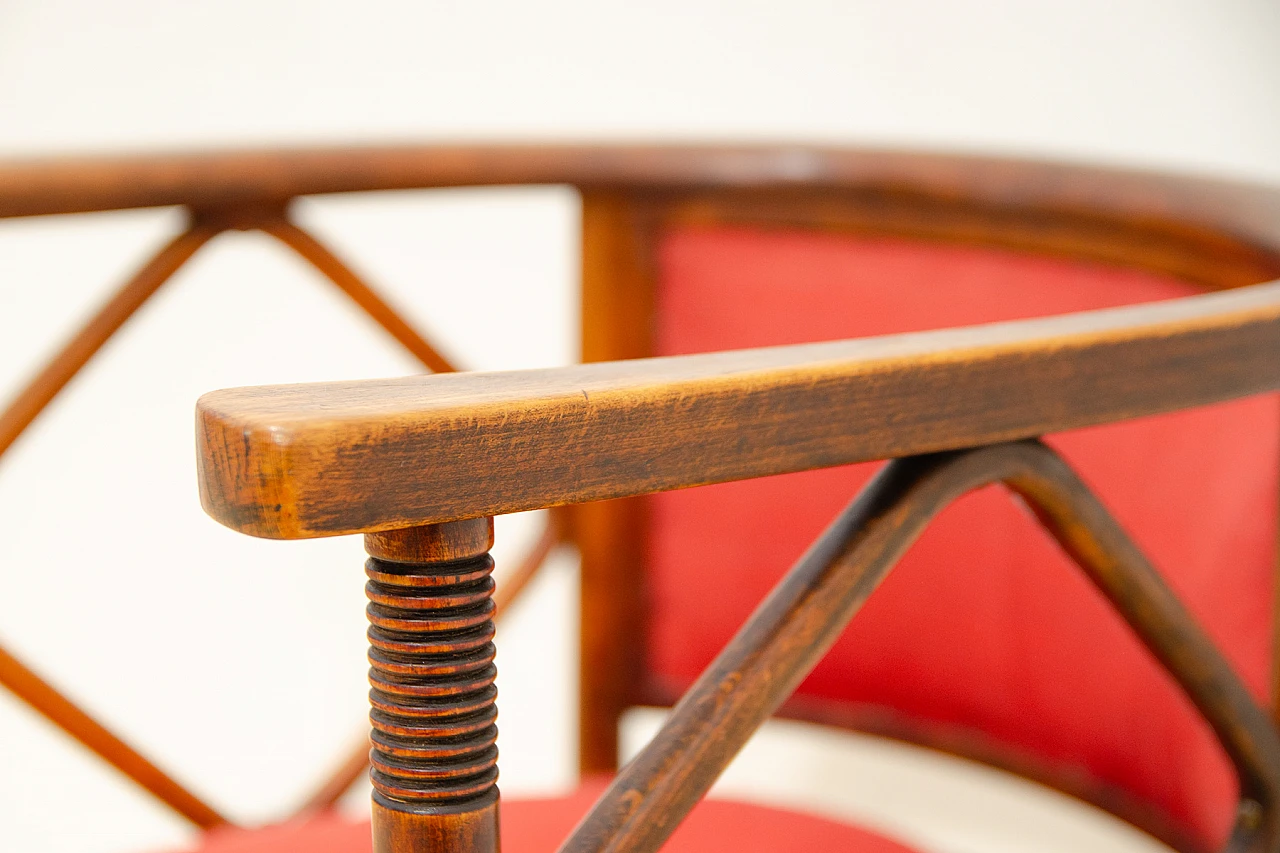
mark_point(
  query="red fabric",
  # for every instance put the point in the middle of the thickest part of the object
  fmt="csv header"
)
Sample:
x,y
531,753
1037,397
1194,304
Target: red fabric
x,y
984,625
538,826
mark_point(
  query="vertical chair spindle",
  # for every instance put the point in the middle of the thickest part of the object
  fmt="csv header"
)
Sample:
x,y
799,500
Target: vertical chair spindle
x,y
434,758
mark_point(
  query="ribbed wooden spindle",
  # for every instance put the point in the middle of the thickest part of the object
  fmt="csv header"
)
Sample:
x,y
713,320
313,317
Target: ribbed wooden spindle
x,y
434,759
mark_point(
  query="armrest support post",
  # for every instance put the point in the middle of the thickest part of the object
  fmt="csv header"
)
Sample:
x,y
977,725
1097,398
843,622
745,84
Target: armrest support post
x,y
434,759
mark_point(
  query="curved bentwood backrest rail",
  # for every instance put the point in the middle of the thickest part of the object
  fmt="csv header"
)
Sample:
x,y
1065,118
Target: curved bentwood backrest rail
x,y
407,461
236,179
1216,233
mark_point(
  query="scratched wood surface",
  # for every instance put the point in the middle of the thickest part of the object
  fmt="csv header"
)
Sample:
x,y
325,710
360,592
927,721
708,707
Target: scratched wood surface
x,y
325,459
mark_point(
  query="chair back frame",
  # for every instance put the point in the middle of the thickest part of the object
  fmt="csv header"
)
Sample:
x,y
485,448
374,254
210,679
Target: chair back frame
x,y
1217,234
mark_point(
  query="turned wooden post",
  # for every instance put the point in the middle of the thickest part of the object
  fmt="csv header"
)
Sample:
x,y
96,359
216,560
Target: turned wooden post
x,y
434,759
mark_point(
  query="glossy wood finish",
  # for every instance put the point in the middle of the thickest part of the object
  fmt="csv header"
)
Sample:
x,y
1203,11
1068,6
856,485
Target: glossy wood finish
x,y
1215,233
800,620
72,185
63,713
473,830
330,458
506,592
431,653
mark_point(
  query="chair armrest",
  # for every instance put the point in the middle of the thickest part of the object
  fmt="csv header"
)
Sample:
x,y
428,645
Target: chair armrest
x,y
301,461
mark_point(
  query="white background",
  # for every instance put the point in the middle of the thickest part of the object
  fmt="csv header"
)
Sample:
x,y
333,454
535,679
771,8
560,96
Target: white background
x,y
238,664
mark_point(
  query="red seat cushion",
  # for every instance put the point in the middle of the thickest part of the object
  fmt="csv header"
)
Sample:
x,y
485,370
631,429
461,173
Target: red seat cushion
x,y
985,630
538,826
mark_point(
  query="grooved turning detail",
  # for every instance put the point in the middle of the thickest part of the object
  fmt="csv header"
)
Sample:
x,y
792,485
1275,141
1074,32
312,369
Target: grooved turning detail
x,y
431,656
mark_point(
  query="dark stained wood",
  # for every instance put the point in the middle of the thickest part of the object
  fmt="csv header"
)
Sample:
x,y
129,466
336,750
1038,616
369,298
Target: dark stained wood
x,y
468,831
1214,233
66,715
55,375
302,461
434,757
617,323
361,293
506,592
805,614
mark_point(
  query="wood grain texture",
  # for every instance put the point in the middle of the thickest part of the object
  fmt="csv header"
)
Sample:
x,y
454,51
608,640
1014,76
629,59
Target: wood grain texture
x,y
325,459
355,762
1214,233
434,757
804,615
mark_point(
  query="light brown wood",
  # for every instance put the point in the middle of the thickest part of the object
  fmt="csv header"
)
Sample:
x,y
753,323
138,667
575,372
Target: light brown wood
x,y
303,461
798,622
1214,233
66,715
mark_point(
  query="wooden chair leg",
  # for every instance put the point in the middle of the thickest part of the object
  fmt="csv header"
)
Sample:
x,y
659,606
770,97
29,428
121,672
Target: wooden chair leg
x,y
434,759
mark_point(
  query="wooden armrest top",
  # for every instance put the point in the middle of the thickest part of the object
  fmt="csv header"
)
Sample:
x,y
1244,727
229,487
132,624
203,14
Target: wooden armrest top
x,y
300,461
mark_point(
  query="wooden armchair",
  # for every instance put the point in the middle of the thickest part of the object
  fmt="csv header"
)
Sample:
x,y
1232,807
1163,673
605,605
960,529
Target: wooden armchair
x,y
420,465
984,642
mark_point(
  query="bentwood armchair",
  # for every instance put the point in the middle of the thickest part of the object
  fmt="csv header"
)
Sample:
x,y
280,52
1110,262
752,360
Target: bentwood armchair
x,y
420,465
987,640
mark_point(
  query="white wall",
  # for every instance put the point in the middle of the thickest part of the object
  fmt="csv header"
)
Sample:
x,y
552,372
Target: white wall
x,y
237,663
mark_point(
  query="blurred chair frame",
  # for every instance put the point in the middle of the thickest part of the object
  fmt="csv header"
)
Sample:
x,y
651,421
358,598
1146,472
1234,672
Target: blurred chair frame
x,y
1217,234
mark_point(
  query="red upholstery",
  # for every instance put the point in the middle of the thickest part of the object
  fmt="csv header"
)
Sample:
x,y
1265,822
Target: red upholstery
x,y
985,625
538,826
